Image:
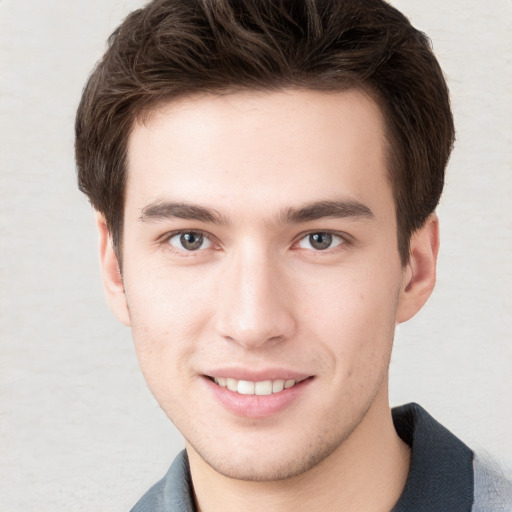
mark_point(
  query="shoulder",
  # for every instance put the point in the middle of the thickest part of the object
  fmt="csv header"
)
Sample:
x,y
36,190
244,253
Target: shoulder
x,y
493,489
173,493
445,474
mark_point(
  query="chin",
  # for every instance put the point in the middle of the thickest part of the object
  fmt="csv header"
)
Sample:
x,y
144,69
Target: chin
x,y
262,469
252,463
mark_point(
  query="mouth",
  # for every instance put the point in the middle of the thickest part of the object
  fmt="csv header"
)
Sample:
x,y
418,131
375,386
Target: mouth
x,y
261,388
257,398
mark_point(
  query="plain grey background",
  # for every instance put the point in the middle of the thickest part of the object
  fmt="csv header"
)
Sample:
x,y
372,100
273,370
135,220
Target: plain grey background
x,y
79,431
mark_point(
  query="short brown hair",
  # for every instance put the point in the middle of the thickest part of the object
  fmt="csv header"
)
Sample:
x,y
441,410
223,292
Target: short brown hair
x,y
175,48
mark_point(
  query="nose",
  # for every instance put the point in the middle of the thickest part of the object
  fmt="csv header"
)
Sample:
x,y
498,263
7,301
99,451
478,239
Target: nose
x,y
254,303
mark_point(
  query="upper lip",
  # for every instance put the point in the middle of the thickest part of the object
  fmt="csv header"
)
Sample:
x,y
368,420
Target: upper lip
x,y
252,375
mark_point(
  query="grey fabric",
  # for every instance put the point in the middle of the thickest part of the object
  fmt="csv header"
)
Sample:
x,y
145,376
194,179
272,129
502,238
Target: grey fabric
x,y
173,493
493,491
445,475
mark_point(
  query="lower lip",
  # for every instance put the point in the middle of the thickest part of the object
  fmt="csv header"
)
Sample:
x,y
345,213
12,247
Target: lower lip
x,y
256,406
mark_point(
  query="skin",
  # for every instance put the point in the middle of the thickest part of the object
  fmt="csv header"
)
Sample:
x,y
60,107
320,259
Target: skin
x,y
257,296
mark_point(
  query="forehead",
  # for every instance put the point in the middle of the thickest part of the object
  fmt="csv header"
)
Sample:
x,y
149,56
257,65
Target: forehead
x,y
259,150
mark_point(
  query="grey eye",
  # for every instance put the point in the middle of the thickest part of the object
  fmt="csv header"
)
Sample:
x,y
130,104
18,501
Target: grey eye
x,y
320,241
189,241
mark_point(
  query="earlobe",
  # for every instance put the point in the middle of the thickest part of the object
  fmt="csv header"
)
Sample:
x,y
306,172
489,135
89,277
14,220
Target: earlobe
x,y
111,274
419,275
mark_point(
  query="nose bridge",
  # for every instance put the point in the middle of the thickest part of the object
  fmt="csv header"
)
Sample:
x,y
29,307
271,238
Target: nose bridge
x,y
253,309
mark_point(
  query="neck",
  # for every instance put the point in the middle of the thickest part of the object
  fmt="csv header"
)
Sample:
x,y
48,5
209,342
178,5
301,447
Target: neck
x,y
367,472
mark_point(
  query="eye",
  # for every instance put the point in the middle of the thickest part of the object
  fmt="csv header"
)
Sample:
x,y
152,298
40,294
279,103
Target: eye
x,y
189,241
320,241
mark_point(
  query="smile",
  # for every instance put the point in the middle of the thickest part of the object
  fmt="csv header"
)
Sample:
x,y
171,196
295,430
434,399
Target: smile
x,y
245,387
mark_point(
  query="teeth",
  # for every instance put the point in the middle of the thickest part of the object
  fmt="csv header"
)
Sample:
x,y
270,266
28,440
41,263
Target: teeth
x,y
263,388
231,384
245,387
277,385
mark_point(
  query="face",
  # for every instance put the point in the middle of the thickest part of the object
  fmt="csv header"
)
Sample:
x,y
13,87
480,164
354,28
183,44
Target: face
x,y
261,276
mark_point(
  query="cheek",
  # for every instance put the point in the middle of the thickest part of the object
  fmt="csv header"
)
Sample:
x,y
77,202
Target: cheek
x,y
167,318
353,313
165,303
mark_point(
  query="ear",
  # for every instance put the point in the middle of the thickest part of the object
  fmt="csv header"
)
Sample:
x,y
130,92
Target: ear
x,y
419,275
112,278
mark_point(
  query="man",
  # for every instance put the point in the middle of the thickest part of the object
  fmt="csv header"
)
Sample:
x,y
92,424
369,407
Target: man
x,y
266,176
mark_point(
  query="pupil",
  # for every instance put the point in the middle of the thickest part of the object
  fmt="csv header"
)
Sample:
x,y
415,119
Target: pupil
x,y
320,241
191,241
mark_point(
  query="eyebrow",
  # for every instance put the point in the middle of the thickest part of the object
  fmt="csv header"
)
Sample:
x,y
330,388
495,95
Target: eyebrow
x,y
161,210
345,208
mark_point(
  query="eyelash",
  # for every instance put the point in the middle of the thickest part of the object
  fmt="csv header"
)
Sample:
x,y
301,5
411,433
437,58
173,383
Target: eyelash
x,y
166,241
327,250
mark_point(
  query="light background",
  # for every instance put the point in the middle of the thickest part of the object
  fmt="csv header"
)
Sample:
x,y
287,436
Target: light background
x,y
78,429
